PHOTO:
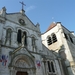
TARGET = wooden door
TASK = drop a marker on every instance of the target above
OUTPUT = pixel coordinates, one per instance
(21, 73)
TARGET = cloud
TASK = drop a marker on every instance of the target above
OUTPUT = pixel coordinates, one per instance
(30, 8)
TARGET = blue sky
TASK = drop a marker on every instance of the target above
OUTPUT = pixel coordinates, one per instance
(45, 11)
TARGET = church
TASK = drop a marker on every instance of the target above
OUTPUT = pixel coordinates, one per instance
(24, 50)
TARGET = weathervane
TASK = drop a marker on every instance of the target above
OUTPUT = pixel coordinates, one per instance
(22, 5)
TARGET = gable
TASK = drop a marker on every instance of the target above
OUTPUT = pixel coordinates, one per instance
(16, 17)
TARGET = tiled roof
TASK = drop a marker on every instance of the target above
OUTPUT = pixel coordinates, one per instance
(52, 25)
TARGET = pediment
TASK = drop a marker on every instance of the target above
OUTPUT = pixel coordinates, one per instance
(22, 58)
(21, 50)
(21, 20)
(25, 51)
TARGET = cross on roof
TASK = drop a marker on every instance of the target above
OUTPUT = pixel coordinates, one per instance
(22, 5)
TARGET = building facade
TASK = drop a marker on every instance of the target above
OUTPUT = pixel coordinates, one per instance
(62, 41)
(21, 48)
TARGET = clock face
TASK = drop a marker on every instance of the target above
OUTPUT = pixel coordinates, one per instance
(21, 21)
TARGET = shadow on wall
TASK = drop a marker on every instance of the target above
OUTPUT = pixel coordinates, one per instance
(65, 63)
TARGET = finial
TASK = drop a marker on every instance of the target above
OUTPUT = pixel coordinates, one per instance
(22, 5)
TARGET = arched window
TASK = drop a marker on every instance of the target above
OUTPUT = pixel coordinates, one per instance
(71, 39)
(49, 41)
(8, 35)
(54, 38)
(33, 41)
(49, 66)
(25, 38)
(66, 36)
(22, 37)
(19, 36)
(33, 44)
(52, 67)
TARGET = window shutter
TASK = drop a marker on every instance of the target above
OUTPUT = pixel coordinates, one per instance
(49, 41)
(54, 38)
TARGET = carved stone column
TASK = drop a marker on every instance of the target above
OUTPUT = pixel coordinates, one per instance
(12, 71)
(31, 72)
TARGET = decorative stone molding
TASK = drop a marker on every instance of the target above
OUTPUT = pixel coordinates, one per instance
(23, 57)
(22, 22)
(22, 63)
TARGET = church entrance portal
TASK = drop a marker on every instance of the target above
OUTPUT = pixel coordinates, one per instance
(22, 64)
(21, 73)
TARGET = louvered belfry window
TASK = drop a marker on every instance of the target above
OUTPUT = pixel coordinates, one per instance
(49, 41)
(54, 38)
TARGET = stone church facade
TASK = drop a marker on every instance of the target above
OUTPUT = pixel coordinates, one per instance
(23, 52)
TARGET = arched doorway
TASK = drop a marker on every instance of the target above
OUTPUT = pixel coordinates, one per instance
(21, 73)
(22, 64)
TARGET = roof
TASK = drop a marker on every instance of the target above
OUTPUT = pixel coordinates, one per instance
(52, 25)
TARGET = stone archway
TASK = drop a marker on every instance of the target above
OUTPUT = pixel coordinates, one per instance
(22, 65)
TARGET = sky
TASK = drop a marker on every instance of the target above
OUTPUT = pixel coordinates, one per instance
(45, 12)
